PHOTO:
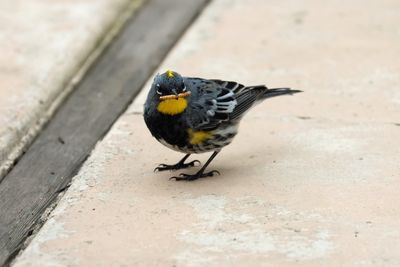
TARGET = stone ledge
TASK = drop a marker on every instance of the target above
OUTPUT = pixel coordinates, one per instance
(48, 46)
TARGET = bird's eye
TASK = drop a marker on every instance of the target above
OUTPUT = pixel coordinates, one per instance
(158, 91)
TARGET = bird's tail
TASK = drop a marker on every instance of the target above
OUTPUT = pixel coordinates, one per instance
(272, 92)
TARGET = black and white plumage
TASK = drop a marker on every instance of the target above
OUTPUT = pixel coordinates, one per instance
(195, 115)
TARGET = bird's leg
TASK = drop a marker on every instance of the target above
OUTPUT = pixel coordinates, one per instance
(180, 165)
(200, 173)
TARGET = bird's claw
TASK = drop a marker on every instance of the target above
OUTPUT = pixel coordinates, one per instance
(192, 177)
(165, 167)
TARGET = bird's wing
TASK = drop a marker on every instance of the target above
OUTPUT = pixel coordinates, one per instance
(246, 99)
(245, 96)
(216, 101)
(210, 104)
(231, 85)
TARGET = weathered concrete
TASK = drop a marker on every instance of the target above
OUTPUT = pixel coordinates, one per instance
(311, 180)
(43, 45)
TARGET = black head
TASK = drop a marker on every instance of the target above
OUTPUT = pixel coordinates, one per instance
(169, 83)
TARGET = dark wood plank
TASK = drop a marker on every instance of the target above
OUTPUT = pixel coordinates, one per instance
(85, 117)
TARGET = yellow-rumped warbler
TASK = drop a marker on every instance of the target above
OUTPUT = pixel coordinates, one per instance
(194, 115)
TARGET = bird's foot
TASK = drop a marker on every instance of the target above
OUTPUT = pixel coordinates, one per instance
(192, 177)
(179, 165)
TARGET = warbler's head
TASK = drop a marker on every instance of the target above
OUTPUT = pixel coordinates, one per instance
(170, 84)
(169, 93)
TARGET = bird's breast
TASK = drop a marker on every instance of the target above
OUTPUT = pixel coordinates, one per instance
(172, 129)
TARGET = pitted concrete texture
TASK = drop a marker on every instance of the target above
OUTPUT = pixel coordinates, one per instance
(43, 44)
(311, 180)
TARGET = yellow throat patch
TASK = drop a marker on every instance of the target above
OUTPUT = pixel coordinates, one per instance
(172, 106)
(198, 137)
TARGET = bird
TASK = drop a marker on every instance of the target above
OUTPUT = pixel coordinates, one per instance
(196, 115)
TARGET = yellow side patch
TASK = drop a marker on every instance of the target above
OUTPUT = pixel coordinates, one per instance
(172, 106)
(198, 137)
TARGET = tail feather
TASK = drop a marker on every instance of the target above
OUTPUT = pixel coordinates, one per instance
(253, 94)
(272, 92)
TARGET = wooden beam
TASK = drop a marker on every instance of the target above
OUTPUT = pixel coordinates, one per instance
(85, 117)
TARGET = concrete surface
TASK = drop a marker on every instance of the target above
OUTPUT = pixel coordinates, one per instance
(311, 180)
(44, 44)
